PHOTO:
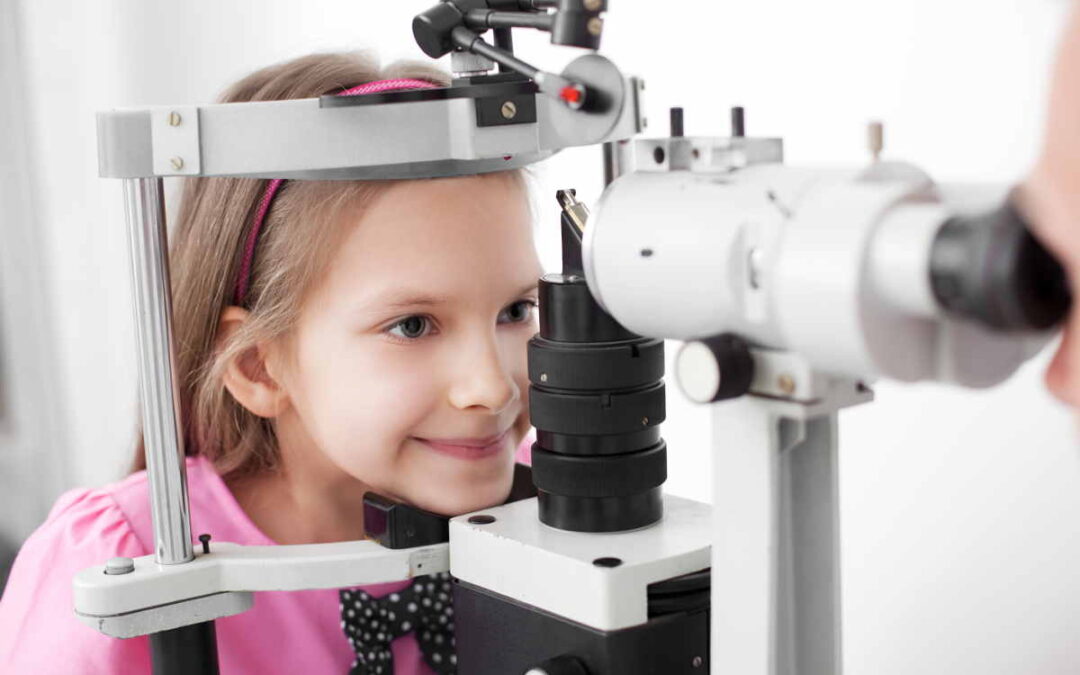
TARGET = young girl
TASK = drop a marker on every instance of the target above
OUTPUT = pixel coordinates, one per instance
(333, 338)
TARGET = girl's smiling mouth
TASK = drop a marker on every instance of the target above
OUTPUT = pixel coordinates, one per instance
(468, 448)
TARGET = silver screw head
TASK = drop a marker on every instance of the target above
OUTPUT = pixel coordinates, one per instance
(644, 421)
(177, 163)
(119, 566)
(509, 110)
(175, 119)
(595, 26)
(698, 662)
(592, 5)
(543, 377)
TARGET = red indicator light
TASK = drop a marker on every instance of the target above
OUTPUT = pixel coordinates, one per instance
(571, 95)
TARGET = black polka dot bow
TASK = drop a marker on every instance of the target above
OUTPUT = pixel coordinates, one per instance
(424, 607)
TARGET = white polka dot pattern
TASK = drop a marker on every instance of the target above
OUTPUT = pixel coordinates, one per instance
(372, 623)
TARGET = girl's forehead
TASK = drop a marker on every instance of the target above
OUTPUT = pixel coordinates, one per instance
(441, 235)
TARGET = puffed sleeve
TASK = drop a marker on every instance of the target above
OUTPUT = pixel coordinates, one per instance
(39, 632)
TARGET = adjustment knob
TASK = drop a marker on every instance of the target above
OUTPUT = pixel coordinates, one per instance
(560, 665)
(714, 369)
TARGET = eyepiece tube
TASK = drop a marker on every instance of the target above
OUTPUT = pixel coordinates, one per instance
(990, 269)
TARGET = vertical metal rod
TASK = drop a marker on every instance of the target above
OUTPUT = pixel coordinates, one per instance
(504, 39)
(611, 170)
(163, 439)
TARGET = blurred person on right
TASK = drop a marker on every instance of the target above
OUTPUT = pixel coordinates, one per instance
(1050, 198)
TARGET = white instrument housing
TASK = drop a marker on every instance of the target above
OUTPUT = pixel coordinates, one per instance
(831, 264)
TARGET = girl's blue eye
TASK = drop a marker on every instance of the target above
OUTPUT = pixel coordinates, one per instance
(411, 327)
(519, 312)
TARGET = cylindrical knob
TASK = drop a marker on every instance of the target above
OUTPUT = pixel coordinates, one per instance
(119, 566)
(714, 369)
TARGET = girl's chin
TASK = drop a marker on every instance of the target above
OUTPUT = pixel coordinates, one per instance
(470, 498)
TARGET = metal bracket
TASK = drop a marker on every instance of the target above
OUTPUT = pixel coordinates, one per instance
(174, 134)
(125, 602)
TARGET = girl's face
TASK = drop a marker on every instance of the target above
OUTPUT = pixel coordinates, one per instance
(408, 369)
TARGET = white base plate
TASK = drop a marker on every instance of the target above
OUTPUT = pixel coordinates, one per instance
(523, 559)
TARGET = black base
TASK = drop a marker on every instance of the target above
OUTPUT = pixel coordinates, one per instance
(498, 636)
(190, 650)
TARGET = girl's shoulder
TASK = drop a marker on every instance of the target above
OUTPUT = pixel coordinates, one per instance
(86, 527)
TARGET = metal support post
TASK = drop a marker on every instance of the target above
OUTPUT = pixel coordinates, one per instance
(776, 606)
(164, 443)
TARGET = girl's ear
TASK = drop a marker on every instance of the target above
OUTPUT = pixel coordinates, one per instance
(247, 375)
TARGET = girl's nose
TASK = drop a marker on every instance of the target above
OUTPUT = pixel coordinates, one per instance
(483, 381)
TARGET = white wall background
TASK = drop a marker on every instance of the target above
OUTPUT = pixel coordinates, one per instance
(961, 510)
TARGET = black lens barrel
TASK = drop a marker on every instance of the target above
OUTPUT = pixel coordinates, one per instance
(596, 400)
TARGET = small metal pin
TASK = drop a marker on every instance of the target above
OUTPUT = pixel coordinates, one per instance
(676, 115)
(644, 421)
(875, 132)
(177, 163)
(509, 110)
(738, 122)
(543, 377)
(205, 539)
(595, 26)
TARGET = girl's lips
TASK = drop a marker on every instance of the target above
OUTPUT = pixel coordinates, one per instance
(467, 448)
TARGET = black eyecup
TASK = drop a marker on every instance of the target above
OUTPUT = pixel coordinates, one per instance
(990, 269)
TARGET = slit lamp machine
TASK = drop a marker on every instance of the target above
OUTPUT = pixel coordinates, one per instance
(793, 288)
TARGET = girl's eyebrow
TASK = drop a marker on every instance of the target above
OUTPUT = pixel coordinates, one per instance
(403, 299)
(408, 299)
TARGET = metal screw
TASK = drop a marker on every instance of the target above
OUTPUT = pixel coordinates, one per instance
(482, 519)
(592, 5)
(509, 110)
(119, 566)
(175, 119)
(543, 377)
(644, 421)
(786, 384)
(698, 662)
(595, 26)
(177, 163)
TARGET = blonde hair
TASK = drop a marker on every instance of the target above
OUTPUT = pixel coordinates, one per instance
(206, 252)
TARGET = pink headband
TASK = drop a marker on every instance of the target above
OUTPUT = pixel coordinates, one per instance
(242, 280)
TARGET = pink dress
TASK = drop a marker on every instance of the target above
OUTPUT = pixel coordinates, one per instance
(298, 632)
